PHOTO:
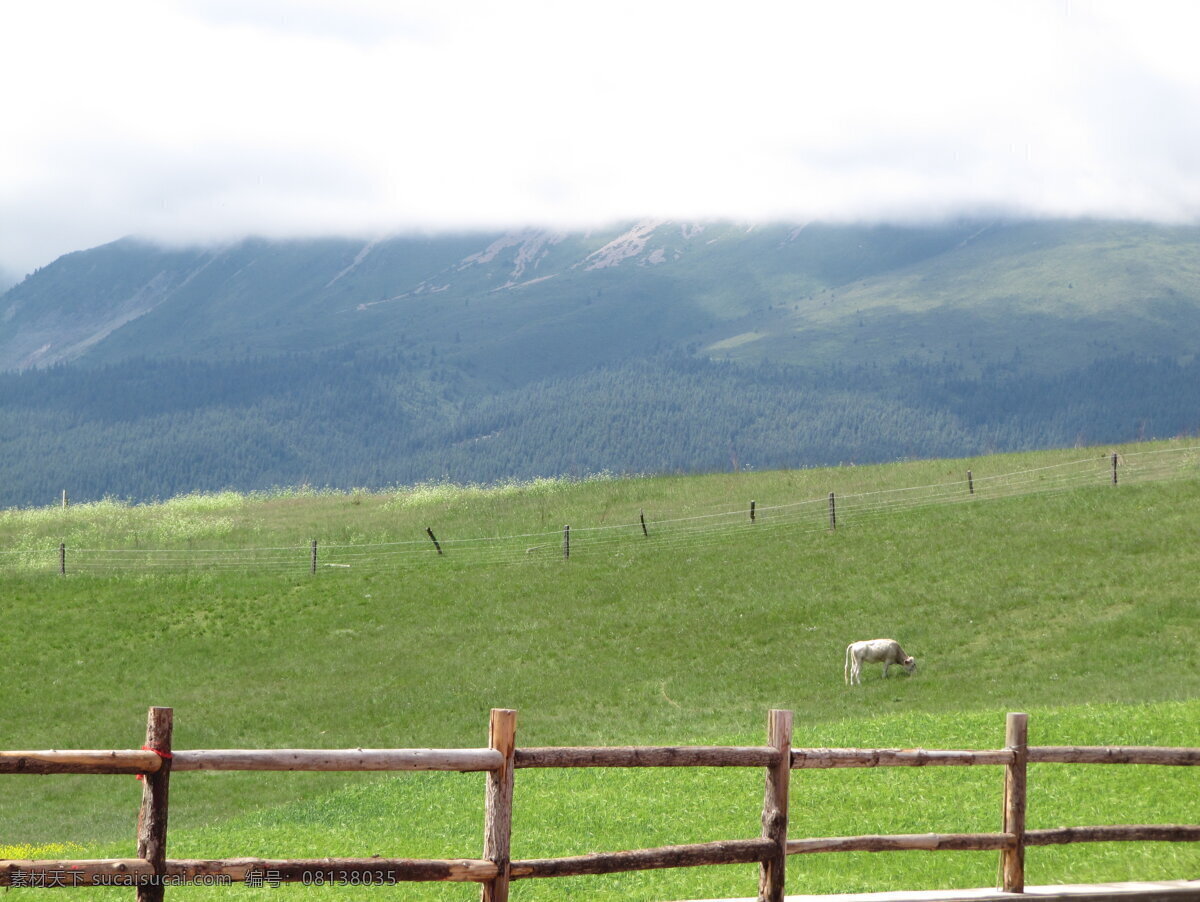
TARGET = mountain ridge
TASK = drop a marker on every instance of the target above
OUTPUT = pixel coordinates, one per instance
(644, 347)
(741, 291)
(105, 290)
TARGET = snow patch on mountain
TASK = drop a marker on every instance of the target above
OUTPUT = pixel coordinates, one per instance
(531, 248)
(362, 255)
(625, 246)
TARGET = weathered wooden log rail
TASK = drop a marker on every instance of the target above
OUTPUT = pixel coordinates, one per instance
(52, 761)
(151, 872)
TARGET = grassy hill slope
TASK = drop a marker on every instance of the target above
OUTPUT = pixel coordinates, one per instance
(1056, 294)
(1049, 590)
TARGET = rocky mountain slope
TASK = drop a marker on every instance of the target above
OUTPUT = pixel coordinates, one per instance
(527, 303)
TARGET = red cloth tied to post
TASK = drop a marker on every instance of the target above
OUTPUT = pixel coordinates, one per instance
(159, 752)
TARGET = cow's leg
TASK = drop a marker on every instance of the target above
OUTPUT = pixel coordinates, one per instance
(885, 667)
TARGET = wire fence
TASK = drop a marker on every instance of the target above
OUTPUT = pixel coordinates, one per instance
(806, 515)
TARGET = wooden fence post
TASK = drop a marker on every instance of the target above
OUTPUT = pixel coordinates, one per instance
(152, 818)
(62, 558)
(832, 512)
(775, 807)
(314, 555)
(970, 483)
(1114, 465)
(433, 538)
(1012, 861)
(642, 517)
(497, 825)
(566, 542)
(751, 511)
(64, 498)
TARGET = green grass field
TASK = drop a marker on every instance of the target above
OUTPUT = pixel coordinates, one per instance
(1048, 591)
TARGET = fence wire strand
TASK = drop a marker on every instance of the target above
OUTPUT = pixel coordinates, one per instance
(799, 517)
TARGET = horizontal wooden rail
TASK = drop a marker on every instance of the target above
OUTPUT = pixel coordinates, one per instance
(1115, 754)
(1060, 836)
(648, 756)
(817, 758)
(145, 762)
(736, 851)
(132, 871)
(339, 870)
(361, 871)
(903, 842)
(989, 842)
(365, 871)
(52, 761)
(89, 872)
(136, 761)
(462, 760)
(1133, 891)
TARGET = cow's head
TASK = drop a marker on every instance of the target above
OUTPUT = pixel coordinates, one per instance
(909, 664)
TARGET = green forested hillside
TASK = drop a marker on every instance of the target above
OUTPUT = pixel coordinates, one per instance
(143, 430)
(142, 371)
(1050, 591)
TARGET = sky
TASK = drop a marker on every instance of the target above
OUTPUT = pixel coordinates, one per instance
(207, 120)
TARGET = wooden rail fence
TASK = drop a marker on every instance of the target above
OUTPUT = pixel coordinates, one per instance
(151, 871)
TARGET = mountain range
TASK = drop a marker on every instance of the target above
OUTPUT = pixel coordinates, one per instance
(141, 370)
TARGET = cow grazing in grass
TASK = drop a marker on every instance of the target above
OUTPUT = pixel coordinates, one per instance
(875, 651)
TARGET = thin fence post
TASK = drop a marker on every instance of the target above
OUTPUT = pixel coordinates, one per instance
(497, 825)
(642, 517)
(152, 818)
(314, 555)
(1012, 861)
(751, 511)
(566, 542)
(433, 538)
(970, 483)
(832, 512)
(62, 558)
(773, 872)
(64, 497)
(1114, 466)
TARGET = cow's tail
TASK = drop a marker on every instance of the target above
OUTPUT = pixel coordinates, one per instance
(846, 671)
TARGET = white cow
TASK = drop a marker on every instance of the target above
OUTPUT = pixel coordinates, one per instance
(873, 651)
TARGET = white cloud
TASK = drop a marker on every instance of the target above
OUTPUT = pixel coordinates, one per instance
(193, 119)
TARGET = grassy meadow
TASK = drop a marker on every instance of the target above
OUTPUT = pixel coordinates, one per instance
(1049, 591)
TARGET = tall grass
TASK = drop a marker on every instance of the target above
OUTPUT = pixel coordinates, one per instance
(504, 523)
(1073, 604)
